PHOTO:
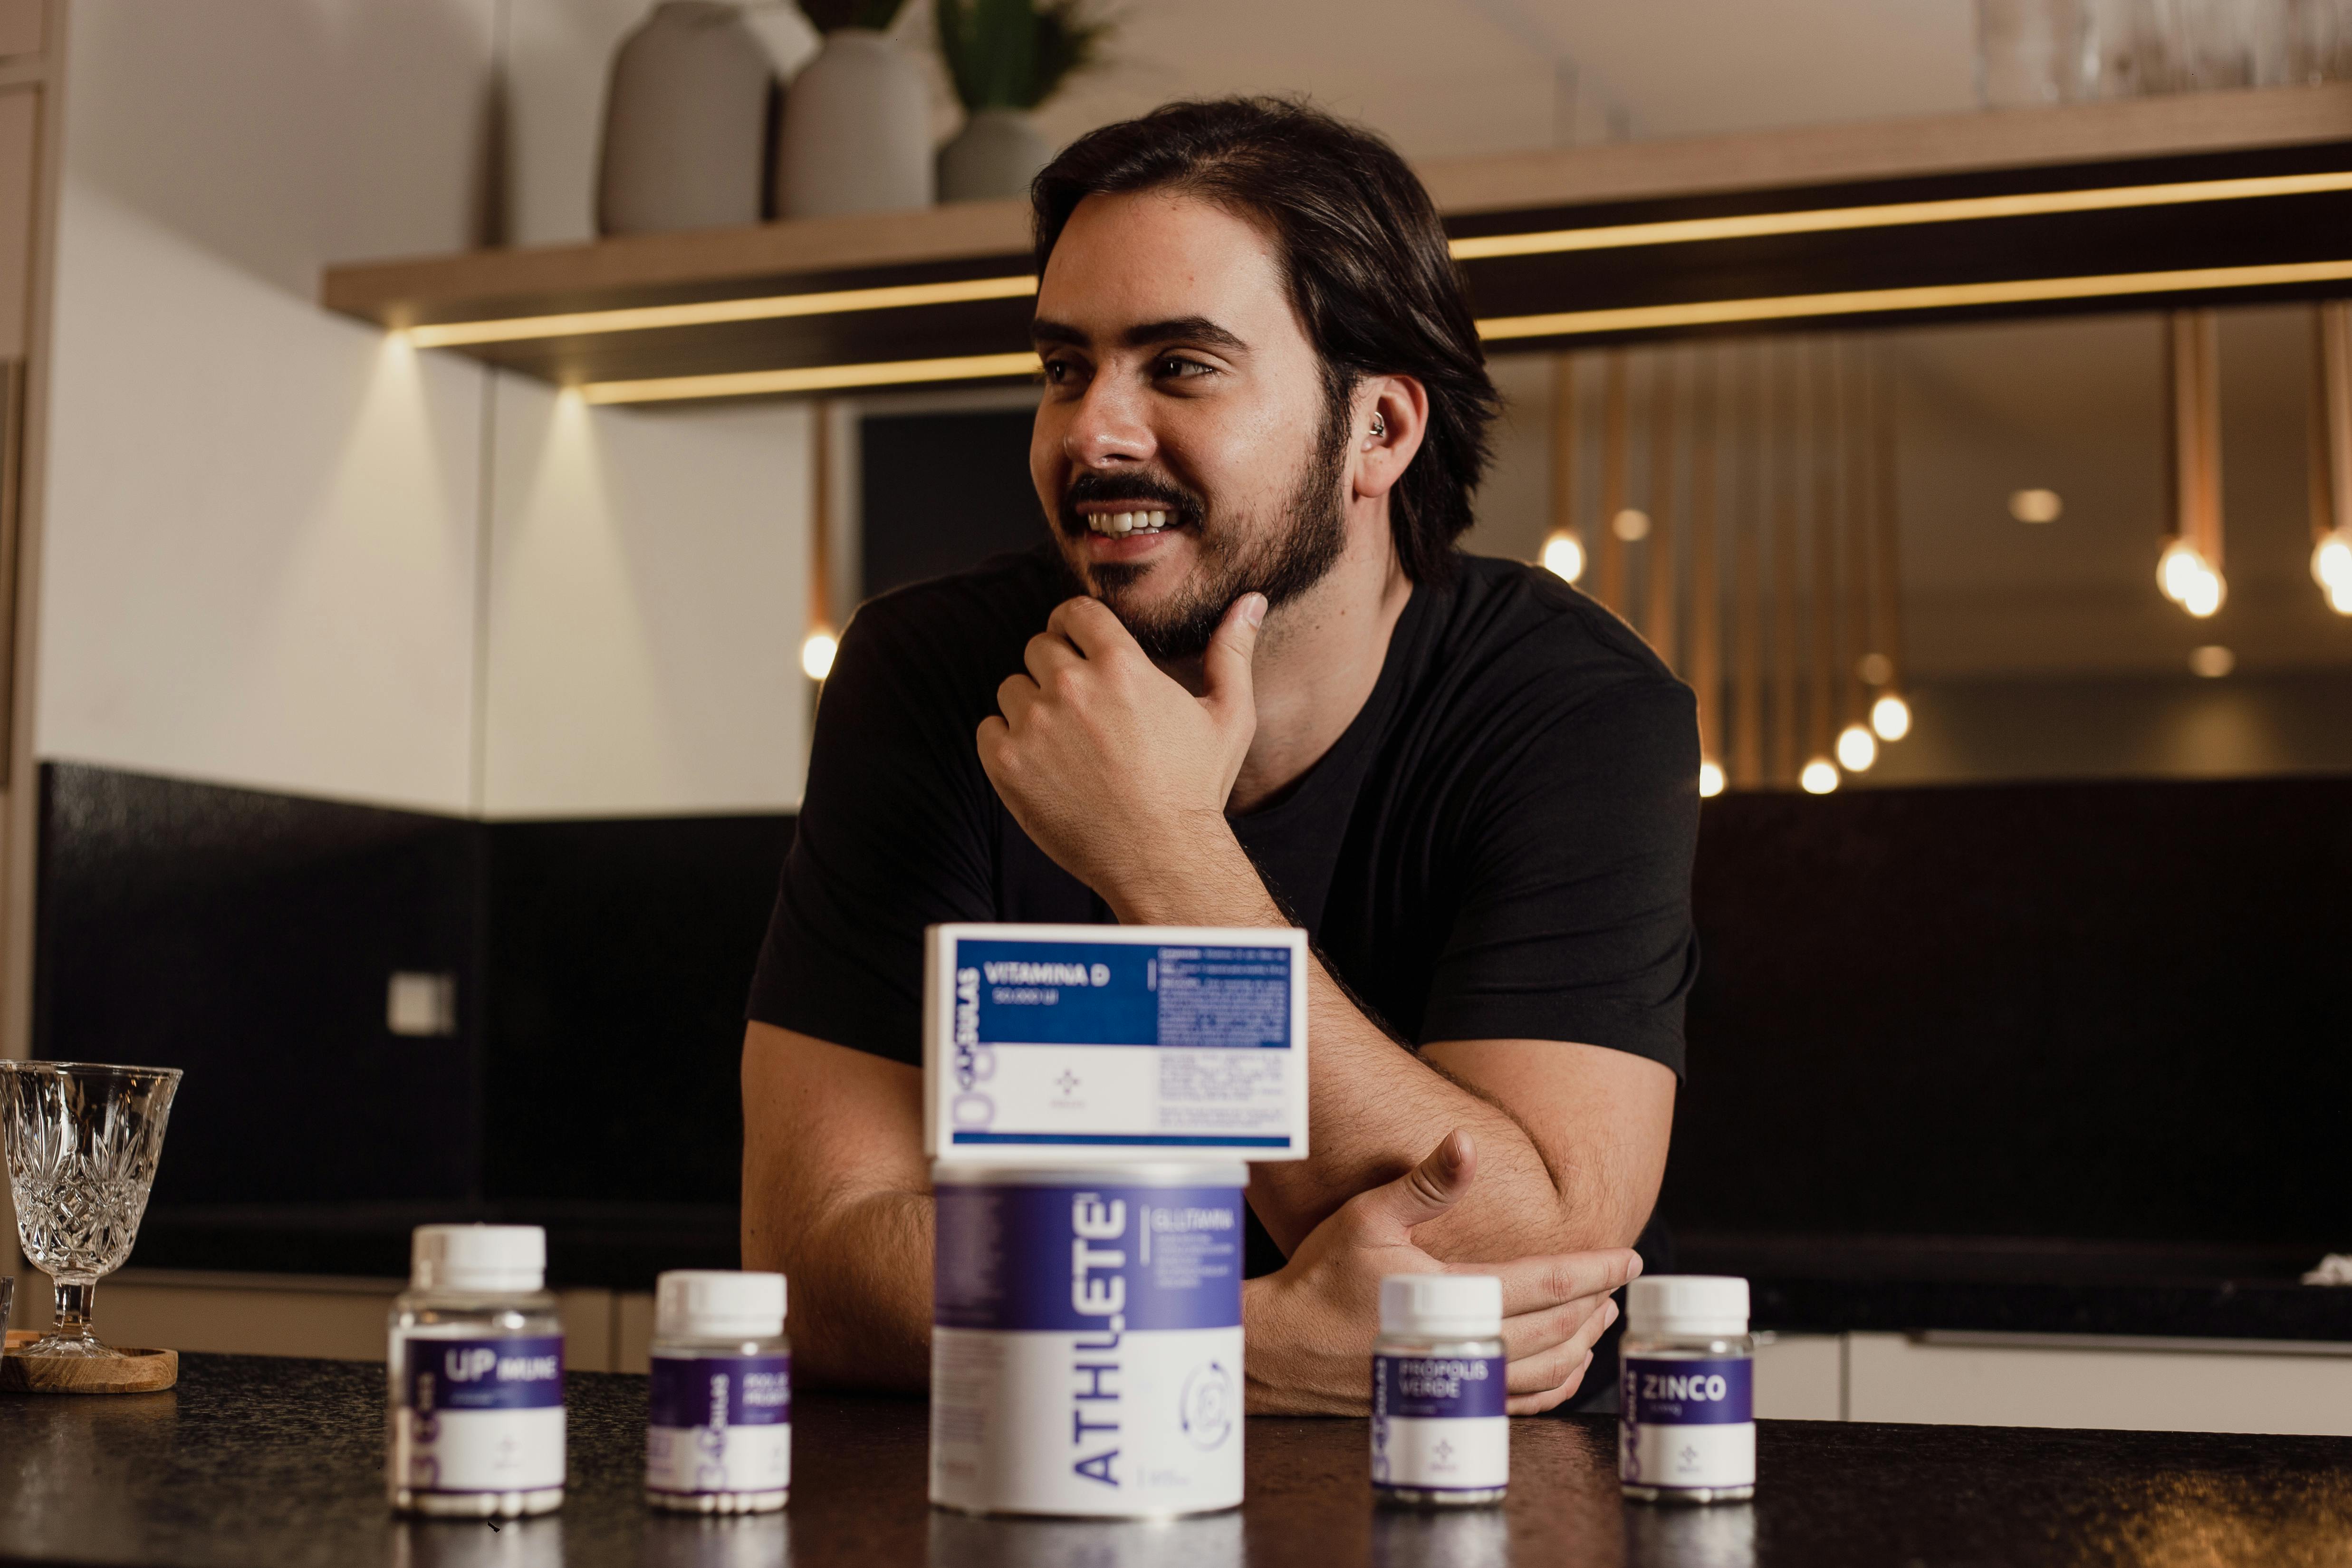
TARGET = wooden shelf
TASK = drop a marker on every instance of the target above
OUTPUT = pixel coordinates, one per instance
(2069, 209)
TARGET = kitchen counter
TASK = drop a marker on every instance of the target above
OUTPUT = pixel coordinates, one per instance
(2024, 1286)
(254, 1459)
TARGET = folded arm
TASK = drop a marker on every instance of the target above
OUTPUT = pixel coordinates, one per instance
(835, 1196)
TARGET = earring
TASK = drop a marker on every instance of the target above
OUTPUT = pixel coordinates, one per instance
(1379, 426)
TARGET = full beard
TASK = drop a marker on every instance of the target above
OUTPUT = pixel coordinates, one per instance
(1293, 559)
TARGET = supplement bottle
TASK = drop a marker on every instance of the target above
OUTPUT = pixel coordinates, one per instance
(1686, 1413)
(1440, 1437)
(477, 1374)
(720, 1439)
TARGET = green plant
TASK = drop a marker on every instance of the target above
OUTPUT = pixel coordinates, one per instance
(832, 15)
(1016, 54)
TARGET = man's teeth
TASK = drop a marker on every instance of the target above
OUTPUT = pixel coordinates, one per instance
(1118, 524)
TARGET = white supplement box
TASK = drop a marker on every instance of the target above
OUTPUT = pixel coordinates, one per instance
(1076, 1044)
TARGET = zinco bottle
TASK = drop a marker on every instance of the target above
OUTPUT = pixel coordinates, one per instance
(721, 1440)
(1440, 1437)
(1686, 1414)
(477, 1376)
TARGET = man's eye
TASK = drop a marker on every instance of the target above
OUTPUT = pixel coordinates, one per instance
(1176, 368)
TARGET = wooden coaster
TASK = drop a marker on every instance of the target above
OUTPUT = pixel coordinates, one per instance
(131, 1372)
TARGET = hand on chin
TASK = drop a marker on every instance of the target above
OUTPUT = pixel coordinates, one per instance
(1108, 763)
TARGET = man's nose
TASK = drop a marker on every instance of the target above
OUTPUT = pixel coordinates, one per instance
(1108, 427)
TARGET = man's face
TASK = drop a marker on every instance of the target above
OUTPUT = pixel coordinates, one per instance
(1185, 449)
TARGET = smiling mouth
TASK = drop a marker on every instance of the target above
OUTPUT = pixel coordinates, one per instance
(1120, 525)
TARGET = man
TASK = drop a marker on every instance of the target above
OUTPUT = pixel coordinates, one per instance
(1250, 682)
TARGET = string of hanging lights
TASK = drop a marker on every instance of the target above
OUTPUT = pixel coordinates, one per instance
(1764, 531)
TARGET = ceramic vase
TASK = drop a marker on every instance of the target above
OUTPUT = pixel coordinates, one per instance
(687, 122)
(857, 135)
(997, 154)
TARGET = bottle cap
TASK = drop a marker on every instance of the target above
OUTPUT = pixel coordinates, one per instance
(477, 1257)
(1687, 1304)
(1442, 1306)
(719, 1303)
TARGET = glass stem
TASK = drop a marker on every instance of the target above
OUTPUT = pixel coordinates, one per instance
(74, 1299)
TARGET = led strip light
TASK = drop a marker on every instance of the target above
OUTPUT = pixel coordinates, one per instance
(1503, 329)
(709, 312)
(1681, 231)
(1933, 297)
(1892, 215)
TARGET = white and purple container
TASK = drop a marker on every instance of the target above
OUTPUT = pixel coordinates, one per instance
(1686, 1406)
(1441, 1435)
(719, 1437)
(475, 1368)
(1087, 1340)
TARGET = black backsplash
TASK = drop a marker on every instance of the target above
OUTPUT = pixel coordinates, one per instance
(2113, 1010)
(620, 956)
(2108, 1010)
(247, 937)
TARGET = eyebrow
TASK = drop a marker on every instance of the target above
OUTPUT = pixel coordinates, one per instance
(1188, 328)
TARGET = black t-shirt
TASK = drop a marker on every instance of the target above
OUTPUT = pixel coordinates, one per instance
(1497, 848)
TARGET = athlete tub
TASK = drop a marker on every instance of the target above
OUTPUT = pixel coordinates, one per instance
(1087, 1340)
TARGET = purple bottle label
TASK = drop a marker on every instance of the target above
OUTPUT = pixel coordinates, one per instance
(1454, 1386)
(483, 1375)
(1710, 1392)
(1078, 1260)
(721, 1391)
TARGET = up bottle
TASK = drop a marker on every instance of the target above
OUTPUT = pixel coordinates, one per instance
(1686, 1406)
(477, 1376)
(720, 1439)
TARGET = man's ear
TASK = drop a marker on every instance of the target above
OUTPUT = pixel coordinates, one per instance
(1388, 418)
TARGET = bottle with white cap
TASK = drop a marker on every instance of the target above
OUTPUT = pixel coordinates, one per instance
(477, 1376)
(721, 1440)
(1687, 1410)
(1440, 1437)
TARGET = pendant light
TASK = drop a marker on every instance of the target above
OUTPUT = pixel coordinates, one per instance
(1890, 711)
(1788, 646)
(2331, 454)
(1658, 620)
(1821, 770)
(1857, 748)
(2189, 569)
(1615, 436)
(822, 642)
(1706, 589)
(1563, 547)
(1753, 435)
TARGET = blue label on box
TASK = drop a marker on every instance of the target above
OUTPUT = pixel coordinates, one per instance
(484, 1375)
(1715, 1391)
(720, 1390)
(1120, 994)
(1460, 1387)
(1087, 1259)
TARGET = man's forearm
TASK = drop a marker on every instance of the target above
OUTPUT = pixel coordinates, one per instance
(861, 1291)
(1375, 1108)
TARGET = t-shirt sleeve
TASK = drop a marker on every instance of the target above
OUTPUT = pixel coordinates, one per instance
(893, 837)
(1574, 921)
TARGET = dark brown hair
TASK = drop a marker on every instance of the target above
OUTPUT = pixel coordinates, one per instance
(1369, 270)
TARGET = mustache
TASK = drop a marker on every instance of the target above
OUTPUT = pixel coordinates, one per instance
(1144, 491)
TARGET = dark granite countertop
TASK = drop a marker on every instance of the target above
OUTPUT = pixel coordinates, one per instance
(262, 1460)
(2025, 1286)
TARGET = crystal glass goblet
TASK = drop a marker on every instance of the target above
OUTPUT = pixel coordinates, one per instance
(81, 1141)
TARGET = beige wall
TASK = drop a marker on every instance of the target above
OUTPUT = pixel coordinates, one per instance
(286, 552)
